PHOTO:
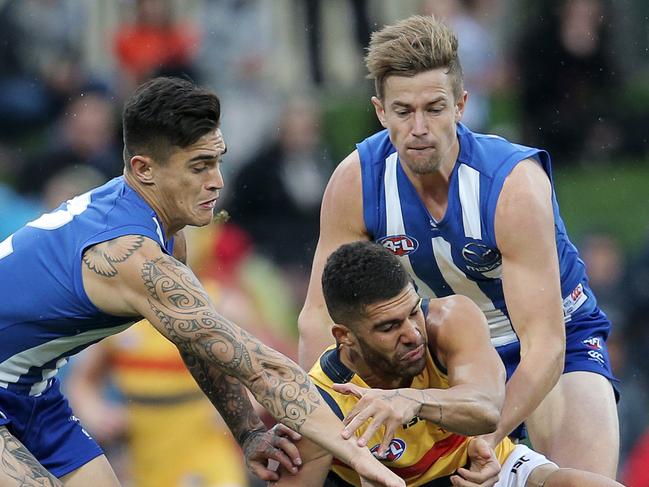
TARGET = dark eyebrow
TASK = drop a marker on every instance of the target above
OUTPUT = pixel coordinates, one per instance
(387, 322)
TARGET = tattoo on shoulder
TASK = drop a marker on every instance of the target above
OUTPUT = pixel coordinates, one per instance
(101, 257)
(190, 321)
(17, 463)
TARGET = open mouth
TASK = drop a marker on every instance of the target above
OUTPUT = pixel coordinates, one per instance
(208, 205)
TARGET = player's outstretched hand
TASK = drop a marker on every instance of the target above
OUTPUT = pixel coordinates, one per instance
(484, 468)
(277, 444)
(389, 408)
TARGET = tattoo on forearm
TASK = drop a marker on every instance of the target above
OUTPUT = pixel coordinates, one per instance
(101, 257)
(228, 396)
(190, 321)
(18, 464)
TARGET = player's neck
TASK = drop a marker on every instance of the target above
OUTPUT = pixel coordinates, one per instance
(354, 362)
(148, 194)
(432, 187)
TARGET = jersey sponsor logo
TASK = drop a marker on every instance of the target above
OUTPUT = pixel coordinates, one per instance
(593, 343)
(480, 258)
(523, 459)
(574, 300)
(596, 356)
(396, 449)
(399, 245)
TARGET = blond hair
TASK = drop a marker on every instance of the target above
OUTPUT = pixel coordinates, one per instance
(412, 46)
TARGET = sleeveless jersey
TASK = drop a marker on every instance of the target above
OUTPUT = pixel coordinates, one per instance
(421, 452)
(458, 255)
(46, 315)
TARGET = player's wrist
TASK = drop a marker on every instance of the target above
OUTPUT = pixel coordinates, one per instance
(244, 438)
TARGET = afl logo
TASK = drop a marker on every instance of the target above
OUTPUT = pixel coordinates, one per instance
(399, 244)
(480, 258)
(395, 450)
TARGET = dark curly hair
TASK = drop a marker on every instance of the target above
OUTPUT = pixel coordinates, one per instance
(359, 274)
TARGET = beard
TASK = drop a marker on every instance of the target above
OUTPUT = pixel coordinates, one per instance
(391, 368)
(421, 166)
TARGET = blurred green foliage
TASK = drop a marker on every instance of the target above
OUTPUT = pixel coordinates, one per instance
(613, 198)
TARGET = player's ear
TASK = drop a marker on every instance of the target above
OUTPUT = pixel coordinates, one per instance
(380, 110)
(142, 169)
(460, 104)
(342, 334)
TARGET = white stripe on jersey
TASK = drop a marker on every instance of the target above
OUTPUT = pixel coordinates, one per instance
(18, 365)
(394, 218)
(158, 230)
(499, 325)
(469, 186)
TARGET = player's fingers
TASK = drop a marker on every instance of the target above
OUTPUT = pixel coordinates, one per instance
(290, 451)
(458, 481)
(387, 439)
(283, 430)
(488, 474)
(262, 472)
(348, 388)
(357, 422)
(374, 425)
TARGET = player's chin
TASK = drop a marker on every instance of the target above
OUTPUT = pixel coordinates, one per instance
(202, 218)
(412, 369)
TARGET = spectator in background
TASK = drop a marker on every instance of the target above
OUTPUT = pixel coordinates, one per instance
(238, 58)
(40, 42)
(568, 80)
(155, 43)
(156, 389)
(314, 29)
(84, 135)
(284, 184)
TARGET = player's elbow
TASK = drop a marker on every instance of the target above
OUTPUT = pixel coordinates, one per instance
(486, 417)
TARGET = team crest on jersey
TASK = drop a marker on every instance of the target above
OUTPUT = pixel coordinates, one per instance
(399, 245)
(395, 450)
(480, 258)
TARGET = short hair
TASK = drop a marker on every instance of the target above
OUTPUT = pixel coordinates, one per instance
(360, 274)
(412, 46)
(166, 112)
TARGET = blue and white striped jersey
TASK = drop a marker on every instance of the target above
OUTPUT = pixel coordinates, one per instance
(459, 255)
(45, 315)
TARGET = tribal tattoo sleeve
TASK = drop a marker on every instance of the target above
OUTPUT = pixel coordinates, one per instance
(19, 465)
(227, 394)
(190, 321)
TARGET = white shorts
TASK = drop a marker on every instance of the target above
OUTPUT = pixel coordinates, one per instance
(519, 465)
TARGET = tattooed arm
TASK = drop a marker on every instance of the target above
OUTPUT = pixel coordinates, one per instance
(146, 282)
(19, 467)
(231, 399)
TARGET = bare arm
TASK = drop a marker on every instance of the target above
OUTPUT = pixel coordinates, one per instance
(341, 221)
(131, 276)
(459, 337)
(317, 463)
(525, 235)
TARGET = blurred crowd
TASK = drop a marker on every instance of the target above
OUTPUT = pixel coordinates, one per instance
(571, 76)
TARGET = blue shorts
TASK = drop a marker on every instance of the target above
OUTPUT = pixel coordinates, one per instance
(48, 429)
(586, 351)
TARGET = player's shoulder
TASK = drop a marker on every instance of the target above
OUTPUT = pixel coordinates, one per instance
(345, 182)
(451, 312)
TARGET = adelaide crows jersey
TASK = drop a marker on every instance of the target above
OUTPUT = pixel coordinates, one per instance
(459, 255)
(421, 452)
(45, 315)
